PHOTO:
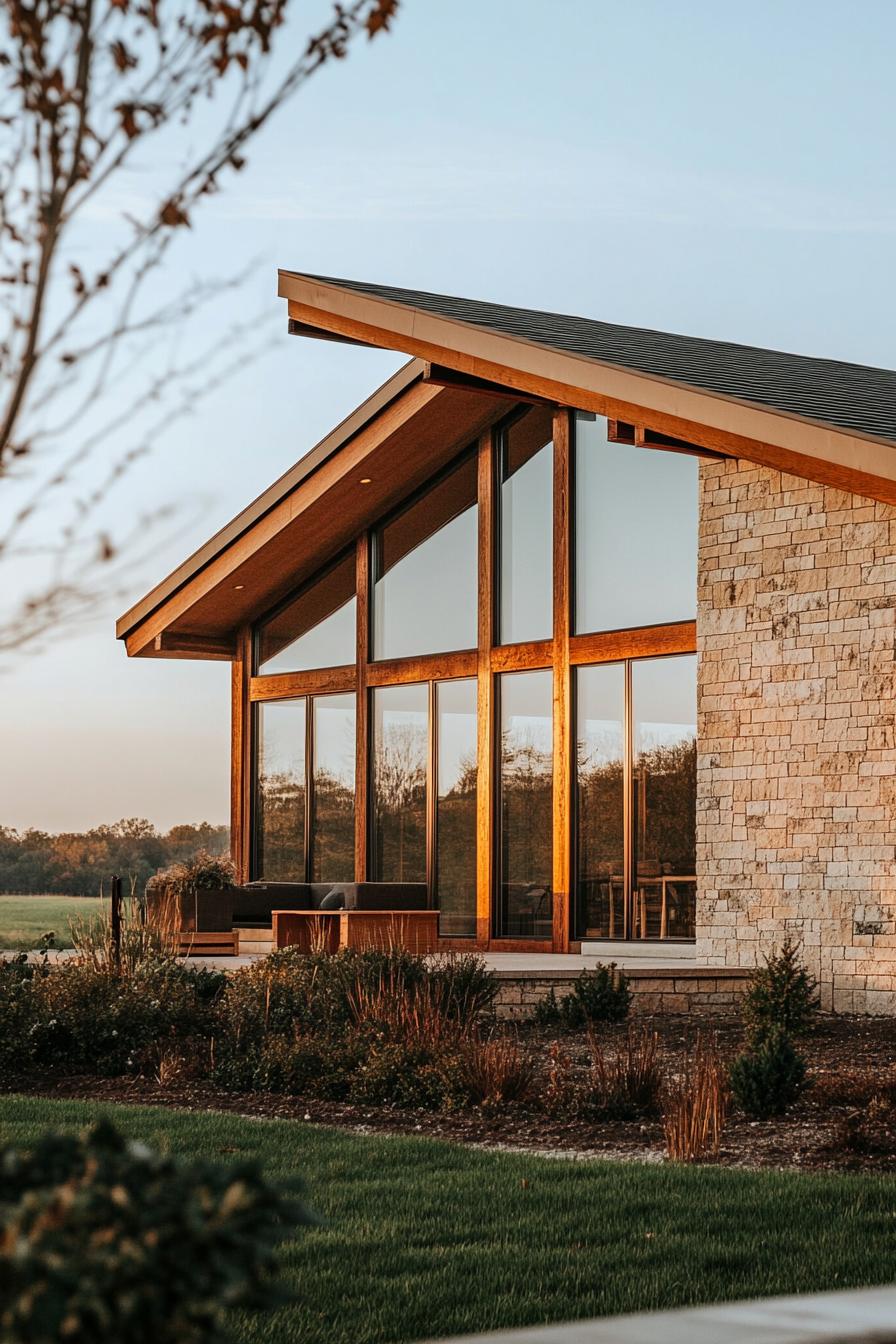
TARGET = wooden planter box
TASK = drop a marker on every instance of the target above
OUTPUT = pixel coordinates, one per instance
(208, 910)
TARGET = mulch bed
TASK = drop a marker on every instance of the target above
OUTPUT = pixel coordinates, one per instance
(852, 1060)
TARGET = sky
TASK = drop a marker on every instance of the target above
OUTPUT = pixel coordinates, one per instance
(718, 170)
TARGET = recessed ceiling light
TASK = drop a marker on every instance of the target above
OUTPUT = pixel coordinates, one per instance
(365, 480)
(238, 586)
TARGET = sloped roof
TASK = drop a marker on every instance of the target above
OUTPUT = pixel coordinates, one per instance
(857, 397)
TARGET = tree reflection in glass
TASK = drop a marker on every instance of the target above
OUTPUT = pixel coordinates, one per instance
(280, 792)
(456, 808)
(400, 753)
(664, 801)
(600, 800)
(333, 793)
(525, 909)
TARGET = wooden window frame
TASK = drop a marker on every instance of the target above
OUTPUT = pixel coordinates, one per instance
(308, 809)
(561, 653)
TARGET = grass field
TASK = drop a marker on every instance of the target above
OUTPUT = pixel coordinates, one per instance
(24, 919)
(425, 1239)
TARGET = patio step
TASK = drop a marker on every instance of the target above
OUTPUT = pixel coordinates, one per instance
(637, 948)
(257, 941)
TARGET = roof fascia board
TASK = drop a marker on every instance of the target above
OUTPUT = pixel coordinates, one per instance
(142, 635)
(312, 461)
(768, 436)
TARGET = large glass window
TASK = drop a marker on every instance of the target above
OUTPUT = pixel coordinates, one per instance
(526, 528)
(635, 523)
(456, 808)
(400, 767)
(305, 790)
(315, 628)
(425, 577)
(333, 812)
(600, 801)
(664, 697)
(646, 888)
(525, 808)
(280, 792)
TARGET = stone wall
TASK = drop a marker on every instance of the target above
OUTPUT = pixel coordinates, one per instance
(796, 792)
(695, 992)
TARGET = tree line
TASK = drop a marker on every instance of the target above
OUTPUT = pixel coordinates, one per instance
(80, 863)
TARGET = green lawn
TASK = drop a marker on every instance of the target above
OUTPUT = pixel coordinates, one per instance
(425, 1239)
(24, 919)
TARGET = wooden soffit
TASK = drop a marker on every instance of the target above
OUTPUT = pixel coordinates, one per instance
(395, 441)
(496, 361)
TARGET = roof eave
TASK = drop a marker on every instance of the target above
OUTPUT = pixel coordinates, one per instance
(862, 463)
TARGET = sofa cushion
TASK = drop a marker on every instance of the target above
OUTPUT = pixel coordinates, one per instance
(257, 900)
(334, 900)
(386, 896)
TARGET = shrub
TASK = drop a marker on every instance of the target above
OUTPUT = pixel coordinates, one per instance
(769, 1076)
(399, 1073)
(465, 986)
(306, 1066)
(494, 1072)
(102, 1240)
(601, 995)
(627, 1083)
(415, 1015)
(871, 1130)
(97, 1020)
(781, 995)
(290, 989)
(695, 1105)
(17, 1012)
(548, 1011)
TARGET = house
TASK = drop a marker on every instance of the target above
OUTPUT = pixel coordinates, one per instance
(588, 628)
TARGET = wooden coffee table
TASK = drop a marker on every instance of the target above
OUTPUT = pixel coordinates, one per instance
(329, 930)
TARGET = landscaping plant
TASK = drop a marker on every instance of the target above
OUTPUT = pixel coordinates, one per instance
(103, 1241)
(626, 1083)
(601, 995)
(782, 995)
(769, 1076)
(695, 1104)
(495, 1072)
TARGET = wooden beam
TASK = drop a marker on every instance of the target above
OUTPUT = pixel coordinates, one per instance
(522, 657)
(562, 710)
(485, 749)
(362, 731)
(445, 377)
(426, 667)
(317, 681)
(185, 645)
(646, 642)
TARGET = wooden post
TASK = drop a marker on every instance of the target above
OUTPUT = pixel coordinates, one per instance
(241, 758)
(562, 715)
(485, 753)
(362, 735)
(116, 922)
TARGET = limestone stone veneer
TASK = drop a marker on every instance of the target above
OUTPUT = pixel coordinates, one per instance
(796, 790)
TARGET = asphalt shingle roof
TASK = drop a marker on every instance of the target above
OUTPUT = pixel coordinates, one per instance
(849, 396)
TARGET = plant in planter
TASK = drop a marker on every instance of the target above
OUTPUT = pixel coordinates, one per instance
(193, 896)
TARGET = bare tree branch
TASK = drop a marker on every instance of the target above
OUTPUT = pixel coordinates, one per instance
(89, 90)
